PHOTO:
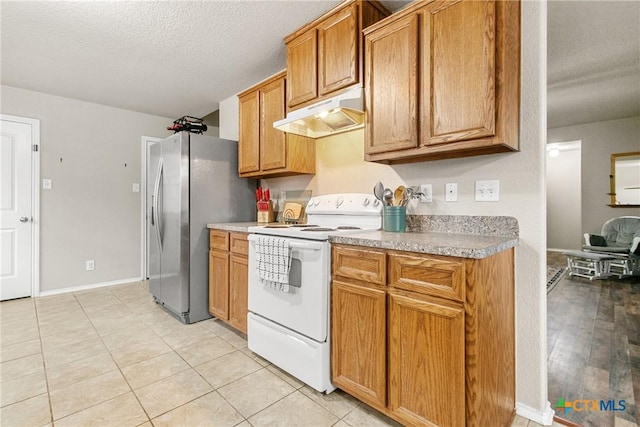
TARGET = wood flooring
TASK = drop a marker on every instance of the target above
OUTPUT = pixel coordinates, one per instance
(593, 333)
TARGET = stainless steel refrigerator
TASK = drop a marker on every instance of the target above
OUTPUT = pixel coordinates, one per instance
(192, 180)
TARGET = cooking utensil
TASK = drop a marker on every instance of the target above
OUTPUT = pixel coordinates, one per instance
(378, 191)
(399, 195)
(388, 196)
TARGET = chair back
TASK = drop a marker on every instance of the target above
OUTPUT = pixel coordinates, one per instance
(621, 231)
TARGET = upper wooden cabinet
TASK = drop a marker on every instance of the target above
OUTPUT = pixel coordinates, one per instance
(302, 68)
(325, 56)
(264, 151)
(442, 80)
(391, 92)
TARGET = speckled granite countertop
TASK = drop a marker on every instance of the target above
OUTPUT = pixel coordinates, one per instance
(233, 226)
(458, 245)
(451, 235)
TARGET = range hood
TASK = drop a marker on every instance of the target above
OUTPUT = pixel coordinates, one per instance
(340, 113)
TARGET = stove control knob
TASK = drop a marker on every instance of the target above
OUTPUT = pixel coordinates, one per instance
(376, 202)
(339, 202)
(365, 202)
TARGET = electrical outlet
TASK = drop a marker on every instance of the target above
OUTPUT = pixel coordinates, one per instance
(488, 191)
(90, 265)
(136, 188)
(451, 192)
(427, 193)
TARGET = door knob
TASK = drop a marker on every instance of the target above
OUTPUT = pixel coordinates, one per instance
(24, 219)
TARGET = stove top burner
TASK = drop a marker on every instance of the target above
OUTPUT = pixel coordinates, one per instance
(318, 229)
(305, 225)
(348, 227)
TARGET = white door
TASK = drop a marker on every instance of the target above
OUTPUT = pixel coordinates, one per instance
(17, 207)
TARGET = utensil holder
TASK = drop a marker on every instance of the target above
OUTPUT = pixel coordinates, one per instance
(394, 218)
(265, 211)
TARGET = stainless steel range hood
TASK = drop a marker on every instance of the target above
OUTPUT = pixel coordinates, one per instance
(340, 113)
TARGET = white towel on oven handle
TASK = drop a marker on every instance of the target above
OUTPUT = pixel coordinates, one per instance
(273, 255)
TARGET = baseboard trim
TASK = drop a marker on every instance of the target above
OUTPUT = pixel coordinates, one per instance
(564, 422)
(544, 417)
(88, 287)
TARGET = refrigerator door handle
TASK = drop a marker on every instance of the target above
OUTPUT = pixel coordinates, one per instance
(154, 207)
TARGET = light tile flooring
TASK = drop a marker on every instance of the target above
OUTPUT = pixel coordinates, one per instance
(112, 357)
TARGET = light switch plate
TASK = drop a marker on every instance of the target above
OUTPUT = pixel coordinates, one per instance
(46, 184)
(488, 191)
(136, 188)
(427, 193)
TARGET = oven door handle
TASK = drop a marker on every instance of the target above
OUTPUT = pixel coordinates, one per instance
(312, 246)
(309, 246)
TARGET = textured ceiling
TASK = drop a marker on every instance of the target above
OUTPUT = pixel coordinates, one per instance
(593, 67)
(172, 58)
(169, 58)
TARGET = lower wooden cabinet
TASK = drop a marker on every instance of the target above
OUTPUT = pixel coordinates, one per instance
(426, 360)
(219, 284)
(359, 331)
(238, 287)
(228, 277)
(413, 348)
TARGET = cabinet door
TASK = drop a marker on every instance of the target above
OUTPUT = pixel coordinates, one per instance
(249, 138)
(436, 276)
(238, 297)
(272, 141)
(338, 51)
(391, 86)
(302, 82)
(458, 71)
(426, 360)
(358, 343)
(219, 284)
(238, 243)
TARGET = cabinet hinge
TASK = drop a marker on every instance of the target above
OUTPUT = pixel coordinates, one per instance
(35, 147)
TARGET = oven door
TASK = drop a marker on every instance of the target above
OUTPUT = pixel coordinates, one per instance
(305, 308)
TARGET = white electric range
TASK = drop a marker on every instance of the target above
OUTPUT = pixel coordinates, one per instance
(291, 328)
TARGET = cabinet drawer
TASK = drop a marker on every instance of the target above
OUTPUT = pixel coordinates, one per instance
(239, 243)
(427, 275)
(219, 239)
(359, 264)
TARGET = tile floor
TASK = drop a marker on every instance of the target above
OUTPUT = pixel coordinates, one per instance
(111, 357)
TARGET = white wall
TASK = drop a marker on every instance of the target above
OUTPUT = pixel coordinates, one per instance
(229, 118)
(340, 168)
(564, 198)
(599, 141)
(91, 211)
